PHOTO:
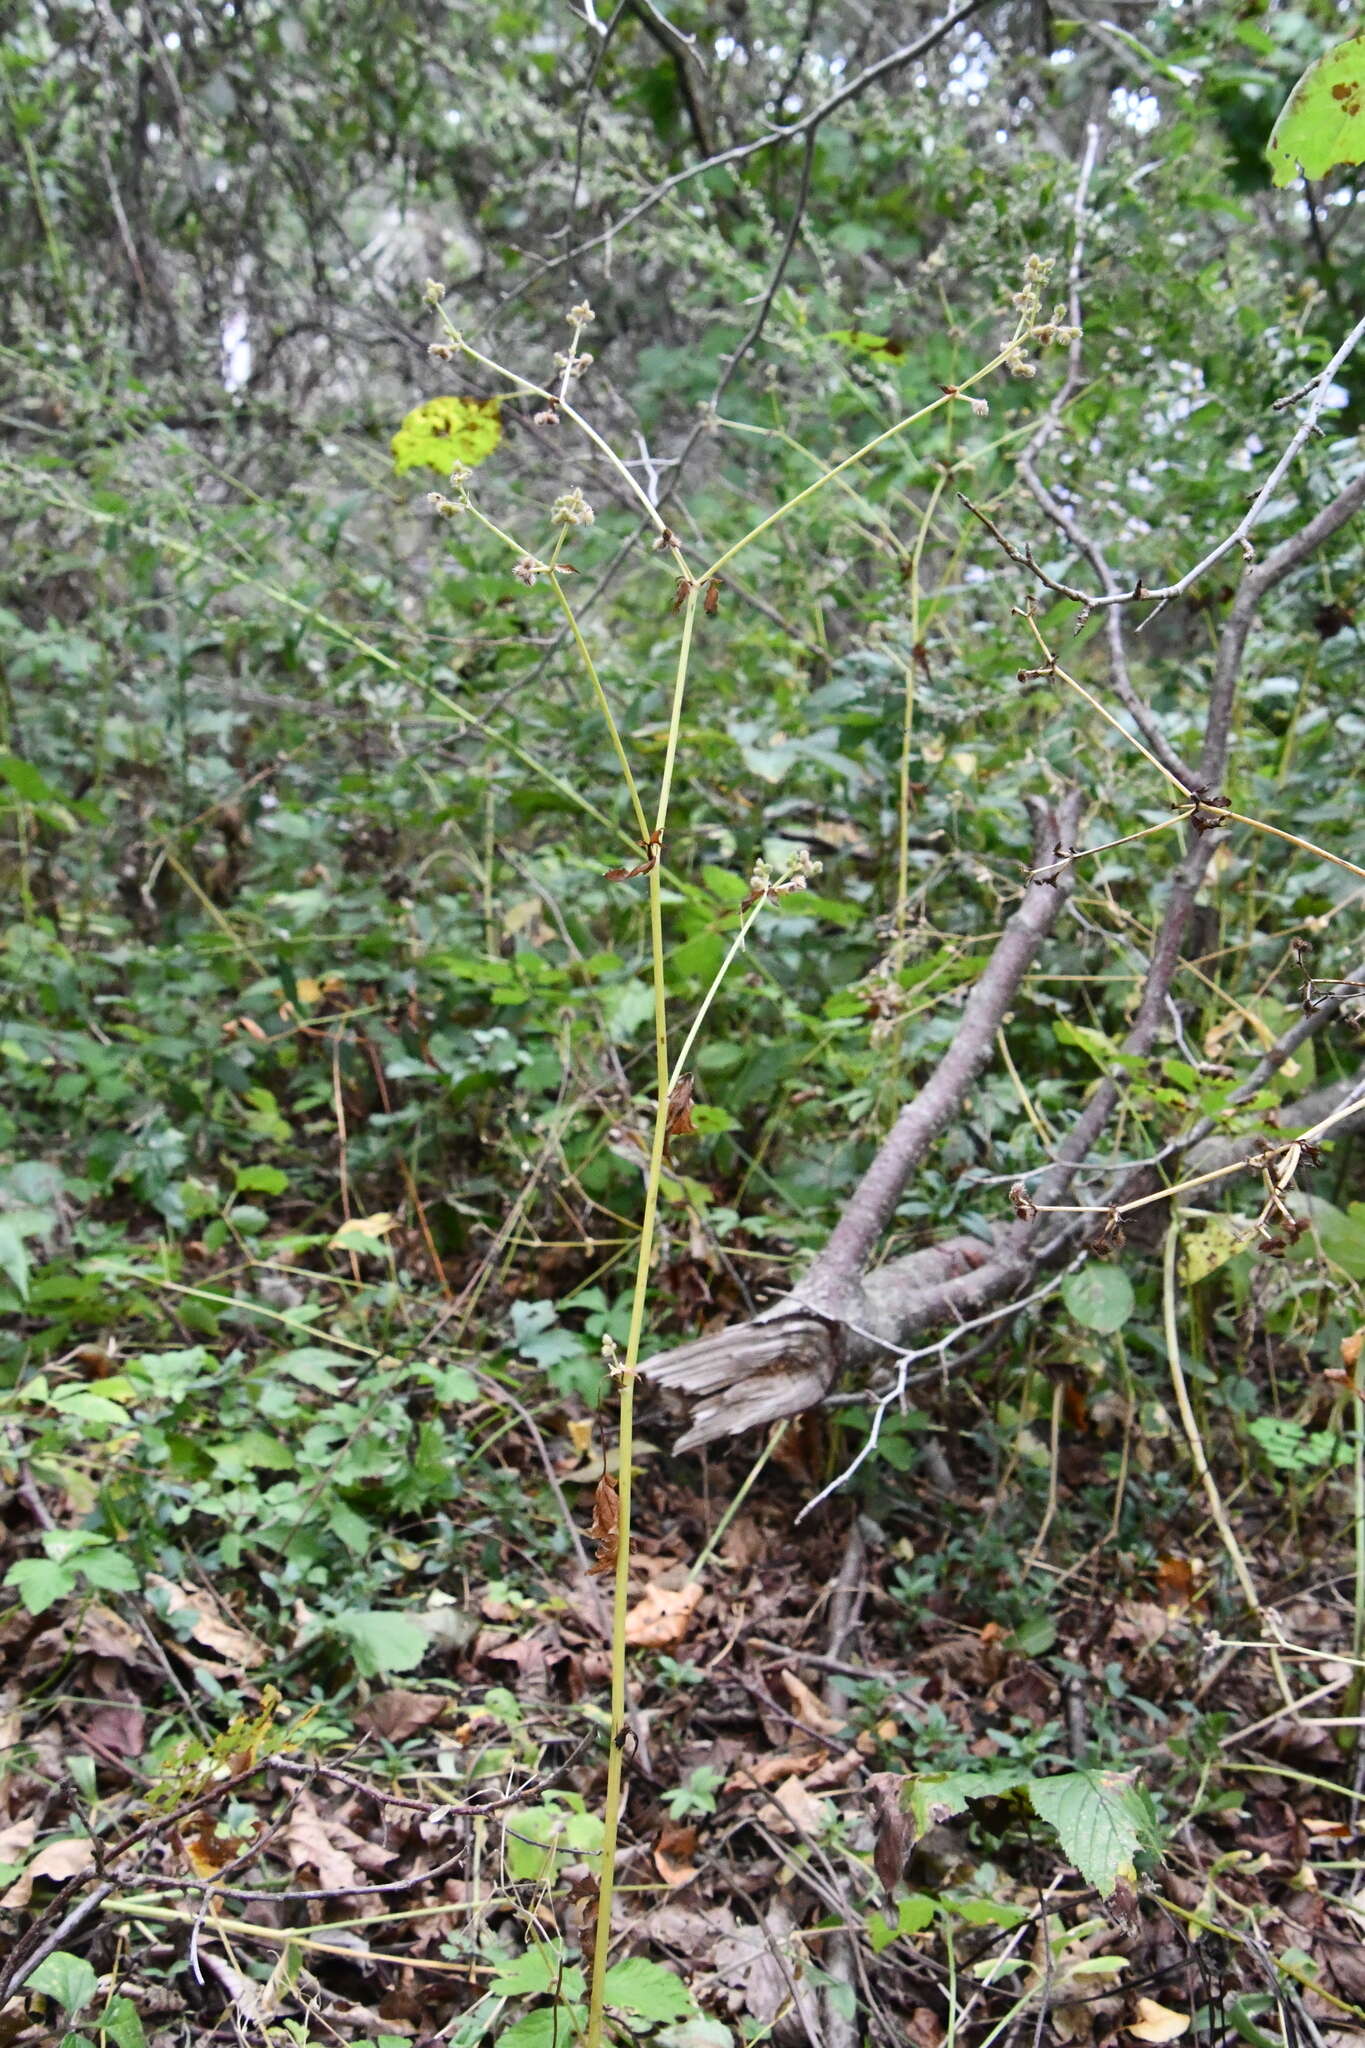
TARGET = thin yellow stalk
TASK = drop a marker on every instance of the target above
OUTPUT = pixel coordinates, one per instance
(850, 461)
(1194, 1439)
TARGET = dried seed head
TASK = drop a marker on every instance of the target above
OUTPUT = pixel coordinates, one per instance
(442, 351)
(580, 315)
(980, 408)
(432, 292)
(446, 508)
(528, 568)
(571, 509)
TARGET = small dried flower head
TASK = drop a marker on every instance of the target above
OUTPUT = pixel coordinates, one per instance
(446, 508)
(547, 417)
(460, 474)
(433, 292)
(980, 408)
(581, 314)
(1037, 269)
(1019, 365)
(527, 568)
(572, 365)
(442, 351)
(571, 509)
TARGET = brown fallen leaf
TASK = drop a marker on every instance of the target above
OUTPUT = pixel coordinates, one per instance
(337, 1853)
(673, 1853)
(606, 1528)
(55, 1861)
(793, 1806)
(209, 1628)
(397, 1714)
(1157, 2023)
(115, 1731)
(771, 1769)
(895, 1828)
(809, 1710)
(662, 1617)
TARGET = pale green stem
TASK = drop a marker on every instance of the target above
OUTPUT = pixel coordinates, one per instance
(1194, 1439)
(850, 461)
(604, 707)
(705, 1554)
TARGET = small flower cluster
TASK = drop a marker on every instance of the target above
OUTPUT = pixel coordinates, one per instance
(1028, 302)
(581, 315)
(528, 567)
(797, 875)
(572, 364)
(571, 509)
(884, 1001)
(451, 508)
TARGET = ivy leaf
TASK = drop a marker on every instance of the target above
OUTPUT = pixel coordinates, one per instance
(1099, 1819)
(445, 431)
(1322, 123)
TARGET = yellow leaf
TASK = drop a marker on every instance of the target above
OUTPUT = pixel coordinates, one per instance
(1157, 2023)
(362, 1232)
(445, 431)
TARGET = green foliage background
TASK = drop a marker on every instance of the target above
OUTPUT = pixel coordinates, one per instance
(304, 816)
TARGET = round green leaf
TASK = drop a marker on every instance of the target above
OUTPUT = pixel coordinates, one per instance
(1322, 123)
(1099, 1297)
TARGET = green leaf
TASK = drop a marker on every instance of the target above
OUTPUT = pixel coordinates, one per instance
(884, 347)
(381, 1640)
(122, 2022)
(531, 1974)
(1102, 1050)
(445, 431)
(26, 782)
(312, 1364)
(67, 1978)
(13, 1258)
(701, 2031)
(1099, 1297)
(646, 1988)
(934, 1796)
(914, 1914)
(261, 1180)
(1322, 123)
(1099, 1820)
(40, 1583)
(109, 1569)
(543, 2028)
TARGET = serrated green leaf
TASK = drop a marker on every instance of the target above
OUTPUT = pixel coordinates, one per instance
(40, 1583)
(646, 1988)
(1098, 1818)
